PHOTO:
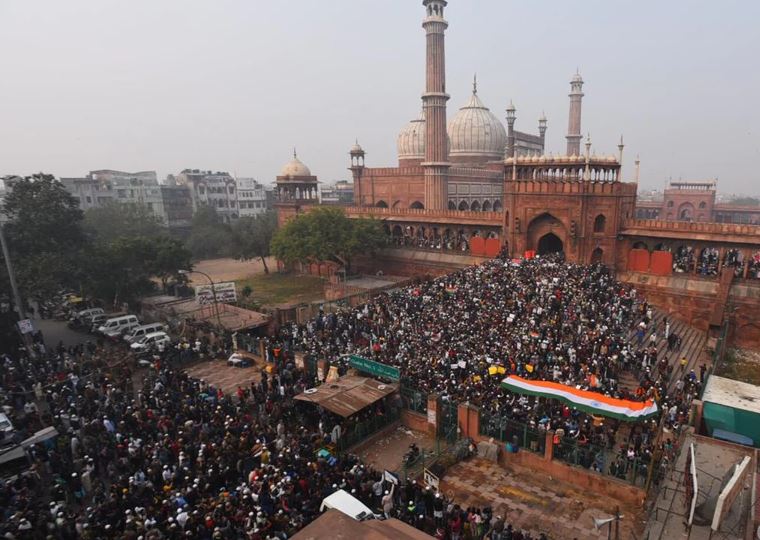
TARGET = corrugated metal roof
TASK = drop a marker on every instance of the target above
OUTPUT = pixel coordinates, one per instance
(338, 526)
(347, 395)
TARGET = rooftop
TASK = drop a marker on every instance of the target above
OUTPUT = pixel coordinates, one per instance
(347, 395)
(731, 393)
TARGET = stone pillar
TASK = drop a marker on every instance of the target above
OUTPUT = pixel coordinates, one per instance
(468, 418)
(549, 446)
(434, 414)
(436, 163)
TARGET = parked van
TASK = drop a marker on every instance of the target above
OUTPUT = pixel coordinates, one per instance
(150, 342)
(86, 314)
(115, 326)
(143, 330)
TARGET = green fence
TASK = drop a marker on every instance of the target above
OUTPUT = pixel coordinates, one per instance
(356, 433)
(602, 460)
(414, 400)
(510, 431)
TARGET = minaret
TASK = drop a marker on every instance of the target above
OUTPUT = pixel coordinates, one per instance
(542, 132)
(357, 169)
(511, 117)
(436, 163)
(574, 125)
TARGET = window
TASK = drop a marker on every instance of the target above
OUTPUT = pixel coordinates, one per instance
(89, 199)
(703, 204)
(600, 223)
(670, 204)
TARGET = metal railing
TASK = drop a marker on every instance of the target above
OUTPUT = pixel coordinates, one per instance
(602, 460)
(360, 431)
(413, 399)
(517, 434)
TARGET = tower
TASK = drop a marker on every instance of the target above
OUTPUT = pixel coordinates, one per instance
(436, 162)
(511, 117)
(542, 132)
(574, 124)
(357, 168)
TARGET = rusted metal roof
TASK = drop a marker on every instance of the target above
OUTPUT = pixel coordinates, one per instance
(347, 395)
(338, 526)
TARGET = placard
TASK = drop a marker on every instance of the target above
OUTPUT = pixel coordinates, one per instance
(225, 292)
(430, 479)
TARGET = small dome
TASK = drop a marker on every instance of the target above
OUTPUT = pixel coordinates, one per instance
(410, 143)
(612, 159)
(356, 148)
(476, 132)
(510, 160)
(543, 159)
(295, 167)
(577, 78)
(534, 159)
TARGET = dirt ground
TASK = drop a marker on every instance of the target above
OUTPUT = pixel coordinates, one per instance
(741, 365)
(535, 502)
(229, 269)
(387, 452)
(218, 374)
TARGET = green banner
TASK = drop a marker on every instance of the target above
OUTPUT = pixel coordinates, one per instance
(374, 368)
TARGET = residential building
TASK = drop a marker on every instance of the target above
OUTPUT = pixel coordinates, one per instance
(251, 197)
(216, 189)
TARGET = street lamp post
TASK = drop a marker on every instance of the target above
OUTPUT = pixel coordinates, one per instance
(213, 292)
(14, 288)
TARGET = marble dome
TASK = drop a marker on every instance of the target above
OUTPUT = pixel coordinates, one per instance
(476, 132)
(410, 143)
(295, 168)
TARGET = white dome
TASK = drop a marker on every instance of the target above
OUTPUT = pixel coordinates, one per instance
(294, 167)
(475, 131)
(410, 143)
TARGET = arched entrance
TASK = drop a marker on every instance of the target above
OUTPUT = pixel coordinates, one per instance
(596, 256)
(546, 234)
(550, 243)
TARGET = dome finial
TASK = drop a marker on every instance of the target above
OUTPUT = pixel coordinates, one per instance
(475, 83)
(295, 156)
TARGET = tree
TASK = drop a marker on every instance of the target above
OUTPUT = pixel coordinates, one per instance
(327, 234)
(209, 237)
(169, 256)
(252, 237)
(114, 220)
(44, 233)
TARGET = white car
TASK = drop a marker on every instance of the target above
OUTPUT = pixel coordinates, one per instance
(150, 342)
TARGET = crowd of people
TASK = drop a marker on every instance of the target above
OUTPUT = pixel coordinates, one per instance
(158, 454)
(542, 318)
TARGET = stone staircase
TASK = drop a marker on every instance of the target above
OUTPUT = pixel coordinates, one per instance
(693, 343)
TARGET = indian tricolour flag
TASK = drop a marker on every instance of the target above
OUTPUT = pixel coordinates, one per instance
(591, 402)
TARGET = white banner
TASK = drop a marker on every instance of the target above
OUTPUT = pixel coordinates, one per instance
(430, 479)
(225, 292)
(388, 476)
(25, 326)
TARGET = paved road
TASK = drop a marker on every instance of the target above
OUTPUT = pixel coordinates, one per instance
(56, 331)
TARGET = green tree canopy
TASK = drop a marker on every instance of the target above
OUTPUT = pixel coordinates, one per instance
(44, 233)
(252, 237)
(209, 236)
(326, 234)
(115, 220)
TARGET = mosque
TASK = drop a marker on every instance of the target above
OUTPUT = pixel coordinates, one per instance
(473, 178)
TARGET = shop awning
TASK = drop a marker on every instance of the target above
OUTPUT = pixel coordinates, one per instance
(347, 395)
(585, 400)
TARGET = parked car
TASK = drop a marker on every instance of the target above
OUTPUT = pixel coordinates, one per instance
(90, 313)
(97, 321)
(150, 342)
(143, 330)
(115, 326)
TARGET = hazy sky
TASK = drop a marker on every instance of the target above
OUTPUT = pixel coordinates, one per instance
(235, 84)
